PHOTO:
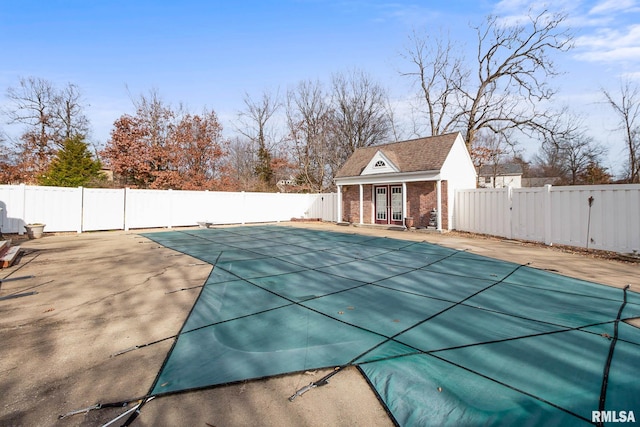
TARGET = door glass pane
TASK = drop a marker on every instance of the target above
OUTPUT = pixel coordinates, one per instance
(396, 203)
(381, 203)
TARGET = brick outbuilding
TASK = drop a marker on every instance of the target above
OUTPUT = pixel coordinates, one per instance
(405, 183)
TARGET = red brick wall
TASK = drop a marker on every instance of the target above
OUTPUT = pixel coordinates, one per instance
(421, 198)
(351, 206)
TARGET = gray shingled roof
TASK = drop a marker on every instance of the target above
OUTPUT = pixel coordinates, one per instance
(503, 169)
(422, 154)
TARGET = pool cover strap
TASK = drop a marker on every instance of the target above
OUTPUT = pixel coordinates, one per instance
(607, 366)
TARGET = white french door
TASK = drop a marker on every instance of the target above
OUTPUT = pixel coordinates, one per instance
(388, 204)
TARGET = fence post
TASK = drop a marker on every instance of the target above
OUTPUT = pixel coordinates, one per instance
(81, 202)
(21, 213)
(170, 207)
(244, 208)
(547, 215)
(126, 204)
(509, 213)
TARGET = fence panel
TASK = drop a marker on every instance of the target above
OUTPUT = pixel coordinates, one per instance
(529, 213)
(264, 207)
(569, 210)
(147, 208)
(225, 208)
(561, 215)
(483, 211)
(60, 208)
(597, 217)
(12, 209)
(621, 227)
(103, 209)
(324, 206)
(184, 208)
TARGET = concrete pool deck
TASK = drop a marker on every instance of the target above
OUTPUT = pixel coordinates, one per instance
(78, 299)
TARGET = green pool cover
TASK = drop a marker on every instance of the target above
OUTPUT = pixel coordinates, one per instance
(444, 337)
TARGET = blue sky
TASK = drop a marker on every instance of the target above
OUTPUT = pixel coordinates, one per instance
(210, 53)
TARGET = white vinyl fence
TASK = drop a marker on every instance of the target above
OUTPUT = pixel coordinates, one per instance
(89, 209)
(605, 217)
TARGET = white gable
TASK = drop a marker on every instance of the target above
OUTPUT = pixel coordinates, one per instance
(458, 166)
(379, 163)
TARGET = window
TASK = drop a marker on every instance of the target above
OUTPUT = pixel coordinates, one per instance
(380, 164)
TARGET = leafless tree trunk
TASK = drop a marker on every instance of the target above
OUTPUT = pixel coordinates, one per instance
(580, 153)
(253, 123)
(440, 73)
(309, 119)
(627, 108)
(68, 113)
(359, 112)
(241, 164)
(567, 150)
(33, 106)
(489, 152)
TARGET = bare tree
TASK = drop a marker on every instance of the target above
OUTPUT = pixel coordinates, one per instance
(309, 119)
(253, 123)
(241, 164)
(513, 64)
(579, 153)
(568, 151)
(8, 170)
(396, 130)
(627, 108)
(548, 162)
(32, 105)
(68, 113)
(440, 73)
(509, 84)
(49, 116)
(359, 112)
(490, 152)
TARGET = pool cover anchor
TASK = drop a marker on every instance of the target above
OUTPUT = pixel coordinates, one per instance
(97, 406)
(322, 381)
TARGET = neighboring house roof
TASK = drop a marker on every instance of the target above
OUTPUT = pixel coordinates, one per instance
(502, 170)
(539, 182)
(422, 154)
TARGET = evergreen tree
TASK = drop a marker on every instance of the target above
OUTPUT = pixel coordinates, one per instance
(73, 165)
